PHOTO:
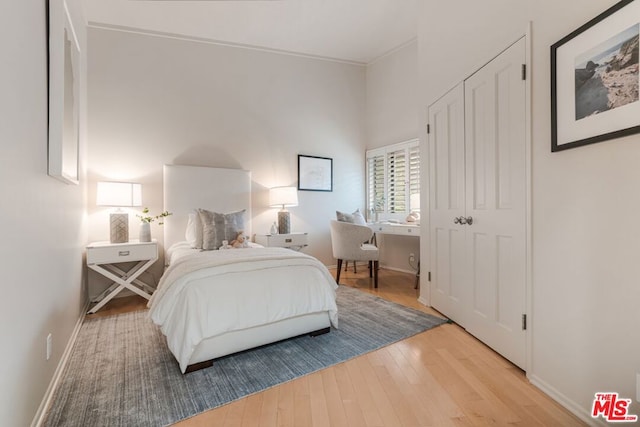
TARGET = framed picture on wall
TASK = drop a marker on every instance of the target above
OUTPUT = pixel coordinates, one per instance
(315, 173)
(64, 94)
(595, 79)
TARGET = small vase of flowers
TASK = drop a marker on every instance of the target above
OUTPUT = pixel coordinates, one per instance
(146, 220)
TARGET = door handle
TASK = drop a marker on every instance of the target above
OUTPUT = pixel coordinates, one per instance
(462, 220)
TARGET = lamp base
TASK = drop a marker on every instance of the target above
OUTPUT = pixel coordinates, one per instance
(119, 227)
(284, 222)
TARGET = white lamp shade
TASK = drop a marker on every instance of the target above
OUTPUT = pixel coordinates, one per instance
(119, 194)
(283, 196)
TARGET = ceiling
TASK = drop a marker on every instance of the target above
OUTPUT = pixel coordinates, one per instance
(356, 31)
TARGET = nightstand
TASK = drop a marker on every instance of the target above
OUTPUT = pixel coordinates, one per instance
(102, 257)
(295, 241)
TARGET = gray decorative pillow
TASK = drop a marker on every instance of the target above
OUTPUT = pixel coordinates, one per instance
(344, 217)
(217, 227)
(354, 218)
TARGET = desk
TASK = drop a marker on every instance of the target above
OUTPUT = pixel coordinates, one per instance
(411, 230)
(400, 229)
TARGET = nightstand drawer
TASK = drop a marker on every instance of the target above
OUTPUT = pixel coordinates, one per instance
(283, 240)
(121, 253)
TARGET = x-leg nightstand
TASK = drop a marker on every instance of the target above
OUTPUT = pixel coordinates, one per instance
(102, 257)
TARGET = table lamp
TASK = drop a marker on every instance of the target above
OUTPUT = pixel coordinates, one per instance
(285, 197)
(119, 195)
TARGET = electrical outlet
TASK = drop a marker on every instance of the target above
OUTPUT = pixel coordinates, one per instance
(412, 257)
(49, 344)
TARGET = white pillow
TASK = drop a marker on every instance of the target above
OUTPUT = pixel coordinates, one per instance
(358, 218)
(193, 234)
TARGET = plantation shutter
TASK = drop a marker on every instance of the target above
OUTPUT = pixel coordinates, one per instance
(375, 179)
(393, 175)
(414, 171)
(397, 181)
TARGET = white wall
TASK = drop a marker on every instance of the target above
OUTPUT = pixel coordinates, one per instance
(392, 97)
(586, 275)
(43, 220)
(156, 100)
(392, 117)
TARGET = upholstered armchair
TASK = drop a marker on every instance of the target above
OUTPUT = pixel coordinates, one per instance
(348, 242)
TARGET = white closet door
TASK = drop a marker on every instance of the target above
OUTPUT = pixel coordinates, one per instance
(447, 201)
(477, 146)
(495, 146)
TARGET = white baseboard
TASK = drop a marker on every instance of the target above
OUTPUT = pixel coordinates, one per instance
(401, 270)
(57, 375)
(423, 300)
(567, 403)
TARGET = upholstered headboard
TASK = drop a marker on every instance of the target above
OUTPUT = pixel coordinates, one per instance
(191, 187)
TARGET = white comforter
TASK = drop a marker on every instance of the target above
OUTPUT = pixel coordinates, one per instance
(205, 294)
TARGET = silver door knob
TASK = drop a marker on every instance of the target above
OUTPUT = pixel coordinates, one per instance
(456, 220)
(468, 220)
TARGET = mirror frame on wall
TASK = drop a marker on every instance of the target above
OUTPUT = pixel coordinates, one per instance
(64, 94)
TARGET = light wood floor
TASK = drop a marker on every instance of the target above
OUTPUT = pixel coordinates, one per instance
(441, 377)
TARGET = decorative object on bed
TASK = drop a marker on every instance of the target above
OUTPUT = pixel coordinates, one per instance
(145, 223)
(240, 241)
(283, 197)
(315, 173)
(594, 79)
(348, 243)
(119, 195)
(134, 357)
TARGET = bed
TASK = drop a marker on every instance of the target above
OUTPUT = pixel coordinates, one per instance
(214, 303)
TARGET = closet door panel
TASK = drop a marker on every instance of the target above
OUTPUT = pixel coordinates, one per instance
(447, 202)
(495, 99)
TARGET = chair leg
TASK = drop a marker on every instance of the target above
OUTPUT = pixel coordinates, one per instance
(375, 273)
(346, 266)
(338, 272)
(418, 277)
(370, 268)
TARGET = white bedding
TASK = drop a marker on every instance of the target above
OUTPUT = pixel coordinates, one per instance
(203, 294)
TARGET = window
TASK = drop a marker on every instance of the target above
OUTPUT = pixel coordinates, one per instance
(393, 175)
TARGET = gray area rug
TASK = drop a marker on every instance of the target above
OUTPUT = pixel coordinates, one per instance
(121, 372)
